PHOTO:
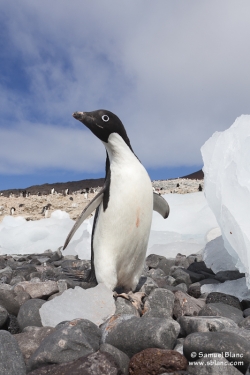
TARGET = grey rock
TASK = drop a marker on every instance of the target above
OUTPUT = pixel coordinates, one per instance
(99, 363)
(11, 359)
(181, 276)
(3, 316)
(194, 258)
(68, 342)
(12, 325)
(221, 309)
(191, 324)
(245, 323)
(242, 332)
(6, 273)
(123, 306)
(37, 289)
(160, 304)
(17, 279)
(28, 314)
(131, 334)
(152, 260)
(228, 343)
(179, 345)
(155, 273)
(215, 297)
(204, 366)
(194, 289)
(181, 260)
(246, 312)
(146, 285)
(228, 275)
(182, 286)
(12, 301)
(30, 339)
(166, 264)
(120, 358)
(186, 305)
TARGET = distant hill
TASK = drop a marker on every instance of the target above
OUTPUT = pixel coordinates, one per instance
(78, 185)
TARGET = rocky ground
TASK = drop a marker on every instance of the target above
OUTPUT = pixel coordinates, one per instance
(31, 207)
(166, 327)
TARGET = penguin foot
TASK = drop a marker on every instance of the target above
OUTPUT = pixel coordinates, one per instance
(134, 298)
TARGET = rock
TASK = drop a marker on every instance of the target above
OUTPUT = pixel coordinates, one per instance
(152, 260)
(30, 339)
(179, 345)
(146, 285)
(24, 270)
(155, 273)
(246, 312)
(12, 301)
(186, 305)
(191, 324)
(6, 273)
(160, 304)
(11, 359)
(221, 309)
(200, 267)
(230, 344)
(17, 279)
(132, 335)
(194, 289)
(119, 357)
(37, 289)
(29, 315)
(12, 325)
(181, 276)
(215, 297)
(206, 366)
(3, 316)
(242, 332)
(166, 264)
(98, 363)
(95, 304)
(228, 275)
(245, 323)
(181, 261)
(154, 361)
(68, 342)
(123, 306)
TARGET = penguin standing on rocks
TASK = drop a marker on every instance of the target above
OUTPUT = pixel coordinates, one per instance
(124, 207)
(12, 210)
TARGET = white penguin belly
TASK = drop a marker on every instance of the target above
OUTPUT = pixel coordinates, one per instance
(122, 230)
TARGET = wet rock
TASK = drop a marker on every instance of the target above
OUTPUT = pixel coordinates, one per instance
(186, 305)
(37, 289)
(160, 304)
(191, 324)
(155, 361)
(30, 339)
(68, 342)
(98, 363)
(132, 335)
(221, 309)
(11, 359)
(29, 315)
(216, 297)
(120, 358)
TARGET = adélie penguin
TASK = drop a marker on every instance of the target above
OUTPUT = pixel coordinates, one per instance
(124, 207)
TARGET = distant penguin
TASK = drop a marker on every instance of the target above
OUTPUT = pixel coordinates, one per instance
(45, 210)
(52, 191)
(200, 187)
(86, 195)
(124, 207)
(12, 210)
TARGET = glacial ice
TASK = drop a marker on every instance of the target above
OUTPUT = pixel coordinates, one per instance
(235, 288)
(226, 157)
(95, 304)
(184, 231)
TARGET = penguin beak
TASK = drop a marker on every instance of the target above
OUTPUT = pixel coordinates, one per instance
(86, 118)
(81, 116)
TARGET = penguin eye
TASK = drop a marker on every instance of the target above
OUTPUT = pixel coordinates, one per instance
(105, 118)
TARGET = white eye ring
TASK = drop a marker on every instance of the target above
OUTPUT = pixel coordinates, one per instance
(105, 118)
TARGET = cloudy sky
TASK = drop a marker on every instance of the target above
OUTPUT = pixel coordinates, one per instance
(173, 71)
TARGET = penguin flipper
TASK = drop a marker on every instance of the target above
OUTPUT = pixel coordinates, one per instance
(85, 213)
(161, 205)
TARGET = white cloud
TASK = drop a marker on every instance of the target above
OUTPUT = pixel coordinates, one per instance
(174, 72)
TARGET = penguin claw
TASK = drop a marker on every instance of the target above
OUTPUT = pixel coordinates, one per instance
(134, 298)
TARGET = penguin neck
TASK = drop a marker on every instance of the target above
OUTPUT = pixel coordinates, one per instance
(118, 150)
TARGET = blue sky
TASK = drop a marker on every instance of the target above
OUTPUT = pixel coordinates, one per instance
(174, 72)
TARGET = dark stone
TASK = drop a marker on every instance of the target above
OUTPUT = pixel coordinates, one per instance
(191, 324)
(6, 274)
(181, 260)
(132, 335)
(246, 312)
(228, 275)
(221, 309)
(227, 343)
(30, 339)
(68, 342)
(194, 289)
(215, 297)
(186, 305)
(98, 363)
(12, 301)
(245, 323)
(3, 316)
(29, 313)
(146, 285)
(205, 366)
(123, 306)
(119, 357)
(160, 304)
(155, 361)
(24, 270)
(181, 276)
(12, 325)
(200, 267)
(11, 359)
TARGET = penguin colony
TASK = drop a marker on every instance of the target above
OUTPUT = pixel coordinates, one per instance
(124, 207)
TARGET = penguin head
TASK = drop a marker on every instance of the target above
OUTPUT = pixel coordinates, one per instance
(102, 123)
